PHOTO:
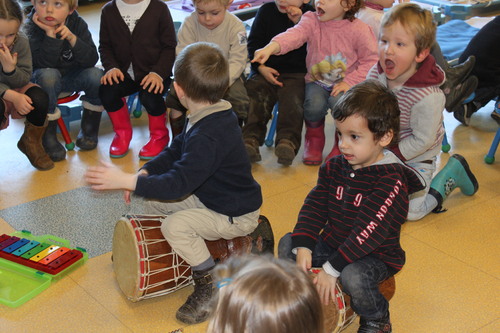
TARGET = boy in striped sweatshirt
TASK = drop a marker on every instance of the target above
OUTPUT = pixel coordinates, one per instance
(410, 72)
(351, 220)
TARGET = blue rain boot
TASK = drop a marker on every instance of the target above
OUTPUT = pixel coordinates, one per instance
(456, 173)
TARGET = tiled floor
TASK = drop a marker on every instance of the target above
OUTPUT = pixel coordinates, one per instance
(449, 284)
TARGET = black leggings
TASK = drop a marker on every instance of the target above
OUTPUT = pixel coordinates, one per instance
(40, 102)
(111, 97)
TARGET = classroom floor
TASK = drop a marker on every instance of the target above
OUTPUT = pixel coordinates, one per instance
(450, 282)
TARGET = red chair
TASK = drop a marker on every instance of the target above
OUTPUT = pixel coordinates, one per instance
(69, 144)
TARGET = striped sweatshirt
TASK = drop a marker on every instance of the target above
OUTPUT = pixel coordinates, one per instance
(359, 212)
(421, 103)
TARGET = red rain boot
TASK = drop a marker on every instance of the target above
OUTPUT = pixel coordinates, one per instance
(123, 132)
(158, 137)
(335, 150)
(314, 142)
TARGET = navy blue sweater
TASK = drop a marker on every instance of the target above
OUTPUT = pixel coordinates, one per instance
(209, 161)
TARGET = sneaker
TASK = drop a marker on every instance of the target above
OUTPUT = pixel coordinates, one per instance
(285, 150)
(252, 147)
(464, 112)
(457, 74)
(459, 94)
(382, 325)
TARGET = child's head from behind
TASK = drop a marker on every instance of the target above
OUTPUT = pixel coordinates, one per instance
(330, 10)
(367, 121)
(211, 13)
(383, 3)
(11, 16)
(54, 12)
(202, 72)
(264, 294)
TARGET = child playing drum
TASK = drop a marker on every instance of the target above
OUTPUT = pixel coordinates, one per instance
(351, 220)
(203, 181)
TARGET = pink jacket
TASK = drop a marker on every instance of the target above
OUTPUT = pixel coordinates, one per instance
(336, 50)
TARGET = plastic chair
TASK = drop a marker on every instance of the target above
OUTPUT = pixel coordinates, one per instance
(490, 157)
(69, 144)
(138, 107)
(272, 130)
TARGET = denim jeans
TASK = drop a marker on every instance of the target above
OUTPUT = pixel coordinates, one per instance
(359, 279)
(317, 102)
(53, 83)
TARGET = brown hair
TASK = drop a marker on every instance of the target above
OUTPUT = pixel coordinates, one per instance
(202, 71)
(354, 6)
(11, 10)
(264, 294)
(374, 102)
(414, 19)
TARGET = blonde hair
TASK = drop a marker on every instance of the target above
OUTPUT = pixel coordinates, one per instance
(414, 19)
(202, 71)
(264, 294)
(73, 4)
(224, 3)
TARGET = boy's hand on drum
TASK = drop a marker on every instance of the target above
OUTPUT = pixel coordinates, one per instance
(304, 259)
(109, 177)
(325, 285)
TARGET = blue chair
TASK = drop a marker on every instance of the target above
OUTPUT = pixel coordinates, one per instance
(272, 130)
(490, 157)
(138, 106)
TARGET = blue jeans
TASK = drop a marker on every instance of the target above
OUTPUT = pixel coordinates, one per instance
(317, 102)
(359, 279)
(53, 83)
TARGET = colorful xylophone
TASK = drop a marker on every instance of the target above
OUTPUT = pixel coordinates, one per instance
(48, 257)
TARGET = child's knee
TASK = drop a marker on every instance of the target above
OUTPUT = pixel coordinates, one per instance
(47, 77)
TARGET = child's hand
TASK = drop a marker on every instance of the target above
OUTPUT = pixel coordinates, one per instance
(49, 30)
(325, 285)
(22, 103)
(114, 75)
(294, 14)
(65, 33)
(261, 55)
(152, 83)
(270, 74)
(304, 259)
(339, 88)
(109, 177)
(7, 59)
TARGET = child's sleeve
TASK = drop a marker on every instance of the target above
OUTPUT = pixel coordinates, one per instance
(257, 38)
(22, 73)
(108, 59)
(187, 34)
(238, 53)
(366, 50)
(295, 37)
(314, 212)
(426, 122)
(84, 51)
(168, 43)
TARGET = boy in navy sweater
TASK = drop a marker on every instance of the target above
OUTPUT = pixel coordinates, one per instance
(203, 181)
(351, 220)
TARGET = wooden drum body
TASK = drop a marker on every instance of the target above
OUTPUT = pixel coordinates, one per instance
(145, 265)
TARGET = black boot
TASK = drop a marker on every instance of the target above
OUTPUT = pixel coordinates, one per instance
(382, 325)
(52, 146)
(457, 74)
(263, 237)
(460, 93)
(87, 138)
(196, 308)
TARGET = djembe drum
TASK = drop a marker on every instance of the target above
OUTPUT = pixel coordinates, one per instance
(146, 266)
(338, 314)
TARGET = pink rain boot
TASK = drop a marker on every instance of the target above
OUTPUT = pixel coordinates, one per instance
(158, 137)
(314, 142)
